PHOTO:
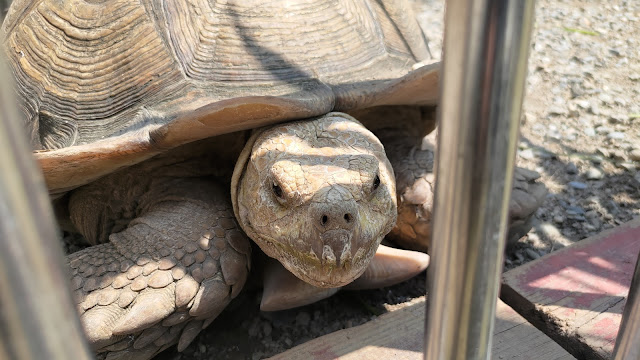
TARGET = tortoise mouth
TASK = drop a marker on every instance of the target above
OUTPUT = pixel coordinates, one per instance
(324, 271)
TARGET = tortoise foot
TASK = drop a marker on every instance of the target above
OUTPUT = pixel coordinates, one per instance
(163, 278)
(415, 184)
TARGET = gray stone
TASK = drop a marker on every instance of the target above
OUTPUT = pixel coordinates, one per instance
(266, 328)
(577, 185)
(532, 254)
(571, 168)
(303, 318)
(575, 210)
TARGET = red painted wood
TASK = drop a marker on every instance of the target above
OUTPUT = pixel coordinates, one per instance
(578, 293)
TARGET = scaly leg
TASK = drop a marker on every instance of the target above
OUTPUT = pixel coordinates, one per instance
(415, 183)
(174, 259)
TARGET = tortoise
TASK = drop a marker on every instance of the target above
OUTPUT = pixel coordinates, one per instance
(142, 113)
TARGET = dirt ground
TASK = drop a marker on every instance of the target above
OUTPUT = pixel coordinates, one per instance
(580, 129)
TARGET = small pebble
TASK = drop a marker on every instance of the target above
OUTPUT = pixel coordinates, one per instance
(605, 98)
(604, 152)
(596, 159)
(616, 135)
(583, 104)
(558, 110)
(619, 155)
(571, 168)
(526, 154)
(578, 185)
(558, 219)
(626, 165)
(266, 328)
(591, 214)
(618, 118)
(635, 155)
(594, 174)
(253, 329)
(575, 210)
(532, 254)
(590, 132)
(303, 318)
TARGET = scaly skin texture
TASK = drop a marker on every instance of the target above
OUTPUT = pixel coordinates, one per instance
(174, 259)
(316, 195)
(402, 131)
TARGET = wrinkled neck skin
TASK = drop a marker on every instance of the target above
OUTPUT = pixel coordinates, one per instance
(317, 195)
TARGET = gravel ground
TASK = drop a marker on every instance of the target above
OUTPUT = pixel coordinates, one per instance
(581, 120)
(580, 131)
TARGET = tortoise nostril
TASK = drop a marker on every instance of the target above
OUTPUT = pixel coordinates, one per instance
(347, 218)
(324, 219)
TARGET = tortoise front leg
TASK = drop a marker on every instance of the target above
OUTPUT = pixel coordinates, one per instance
(415, 183)
(169, 271)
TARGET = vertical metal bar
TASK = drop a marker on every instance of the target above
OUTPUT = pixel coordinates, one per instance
(486, 44)
(37, 317)
(628, 342)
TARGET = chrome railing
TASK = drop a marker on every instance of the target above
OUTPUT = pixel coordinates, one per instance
(628, 341)
(486, 44)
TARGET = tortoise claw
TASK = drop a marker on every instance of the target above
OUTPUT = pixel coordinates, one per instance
(283, 290)
(390, 266)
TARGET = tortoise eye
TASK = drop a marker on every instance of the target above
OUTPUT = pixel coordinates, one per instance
(376, 182)
(277, 190)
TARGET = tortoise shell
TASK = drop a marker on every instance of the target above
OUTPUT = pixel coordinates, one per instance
(107, 84)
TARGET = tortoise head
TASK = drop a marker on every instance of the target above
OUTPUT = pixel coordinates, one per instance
(317, 195)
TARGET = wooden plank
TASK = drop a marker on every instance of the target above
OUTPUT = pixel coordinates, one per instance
(576, 295)
(400, 335)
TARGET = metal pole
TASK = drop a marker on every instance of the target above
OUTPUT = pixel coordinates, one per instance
(486, 44)
(37, 317)
(628, 342)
